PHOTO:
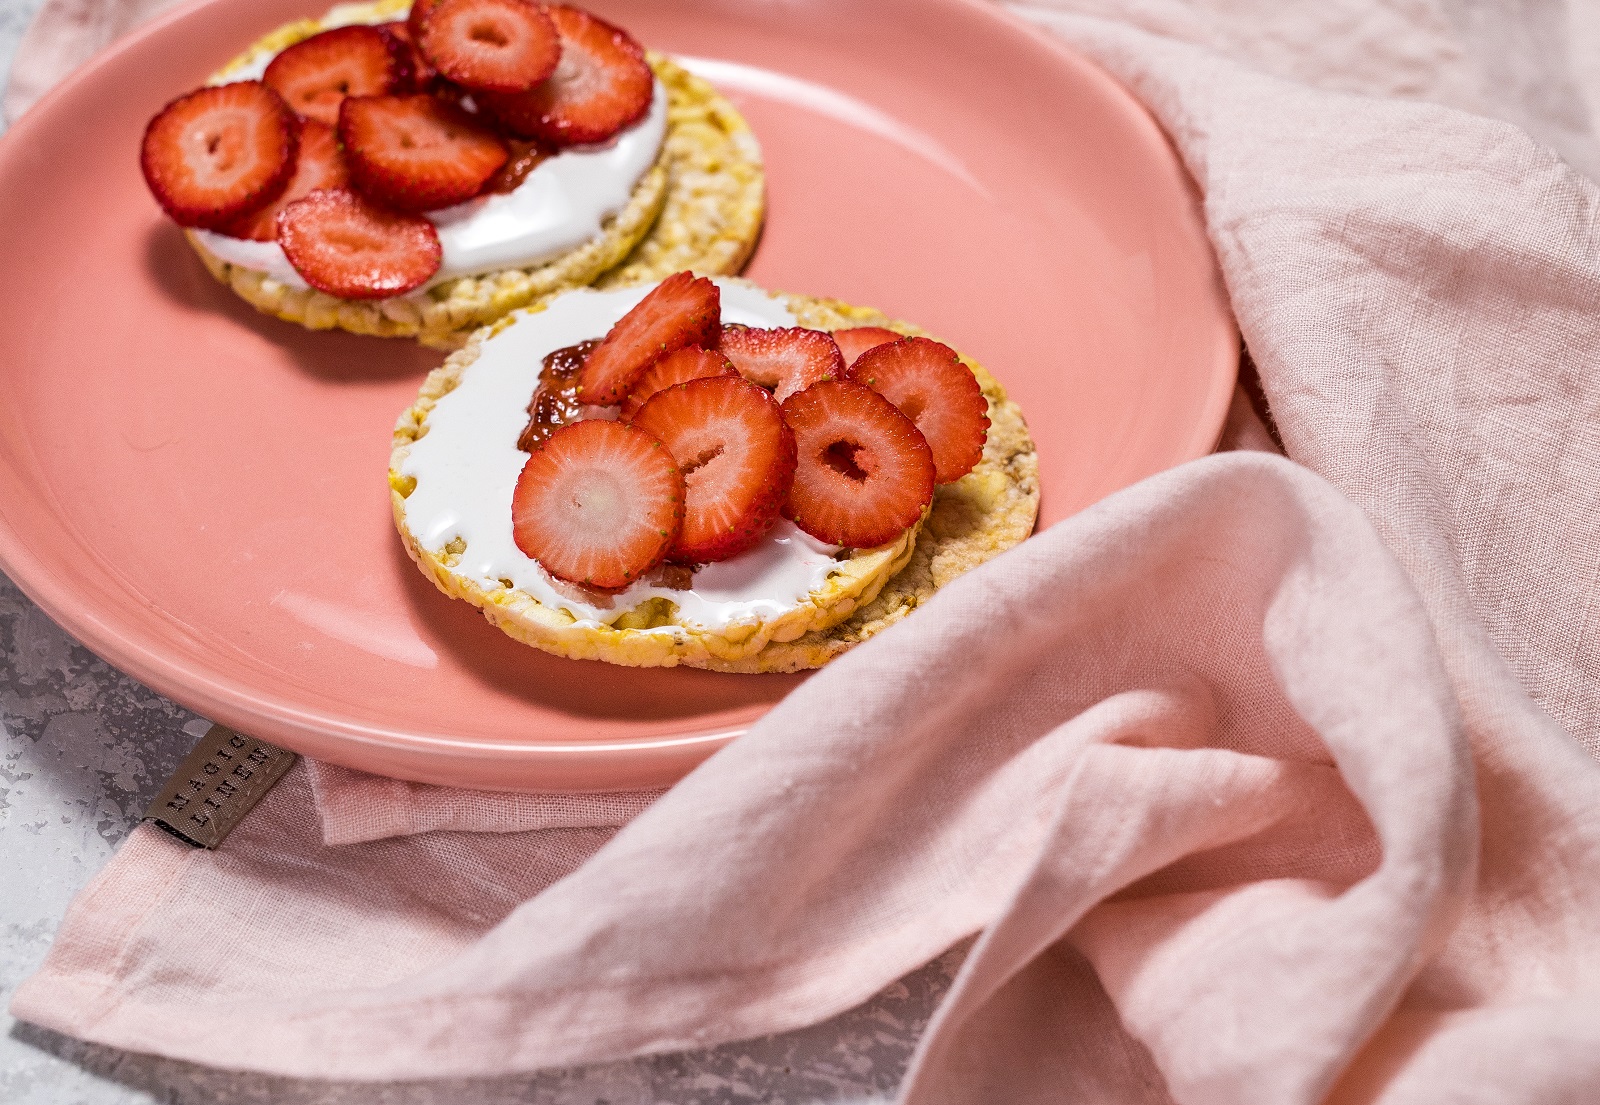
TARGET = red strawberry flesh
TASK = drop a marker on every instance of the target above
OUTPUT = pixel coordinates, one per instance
(319, 164)
(417, 74)
(314, 76)
(864, 473)
(679, 367)
(491, 45)
(785, 360)
(219, 154)
(858, 339)
(737, 456)
(601, 85)
(926, 380)
(682, 310)
(598, 503)
(417, 17)
(348, 247)
(417, 153)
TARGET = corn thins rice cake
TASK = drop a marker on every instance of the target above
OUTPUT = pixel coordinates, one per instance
(700, 205)
(857, 594)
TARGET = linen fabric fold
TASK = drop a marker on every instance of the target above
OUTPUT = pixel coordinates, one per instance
(1192, 756)
(1258, 782)
(64, 35)
(353, 807)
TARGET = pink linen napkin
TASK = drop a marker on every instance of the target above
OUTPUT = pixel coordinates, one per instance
(353, 806)
(1258, 782)
(1190, 762)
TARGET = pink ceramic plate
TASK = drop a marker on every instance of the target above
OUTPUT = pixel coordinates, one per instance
(197, 491)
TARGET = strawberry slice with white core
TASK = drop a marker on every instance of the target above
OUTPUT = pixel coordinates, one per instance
(737, 457)
(601, 85)
(689, 363)
(926, 380)
(598, 503)
(219, 154)
(319, 164)
(786, 360)
(683, 309)
(417, 153)
(491, 45)
(858, 339)
(315, 75)
(348, 247)
(864, 473)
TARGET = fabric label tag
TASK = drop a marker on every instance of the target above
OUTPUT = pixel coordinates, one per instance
(216, 785)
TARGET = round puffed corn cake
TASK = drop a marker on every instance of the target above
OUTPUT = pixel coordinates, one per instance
(699, 206)
(971, 520)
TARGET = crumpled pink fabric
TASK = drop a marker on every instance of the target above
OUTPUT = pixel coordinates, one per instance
(1260, 782)
(353, 806)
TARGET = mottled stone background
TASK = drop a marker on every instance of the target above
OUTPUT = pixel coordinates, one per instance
(83, 748)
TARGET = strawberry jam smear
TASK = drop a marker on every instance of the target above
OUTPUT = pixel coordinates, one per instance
(555, 401)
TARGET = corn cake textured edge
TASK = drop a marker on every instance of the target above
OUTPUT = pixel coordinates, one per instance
(699, 206)
(977, 517)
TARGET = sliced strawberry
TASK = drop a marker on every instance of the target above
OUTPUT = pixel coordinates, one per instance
(319, 164)
(601, 85)
(737, 457)
(315, 75)
(857, 340)
(787, 361)
(864, 474)
(353, 249)
(679, 367)
(417, 74)
(598, 503)
(928, 383)
(417, 153)
(491, 45)
(417, 17)
(682, 310)
(219, 154)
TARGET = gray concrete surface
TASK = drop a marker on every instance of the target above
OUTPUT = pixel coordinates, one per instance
(82, 750)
